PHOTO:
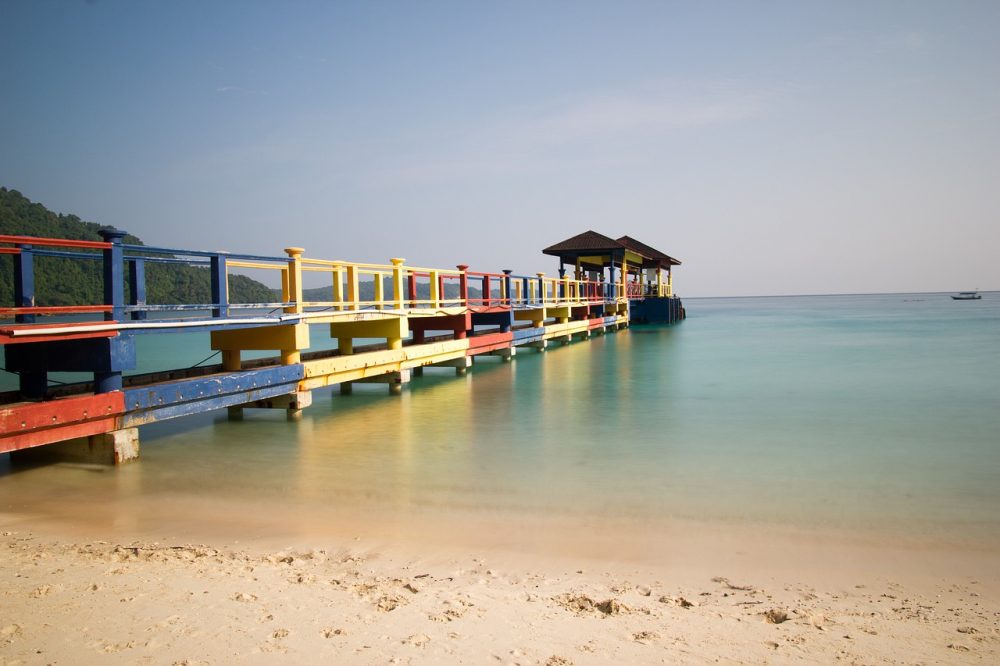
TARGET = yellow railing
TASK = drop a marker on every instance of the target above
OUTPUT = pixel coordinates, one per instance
(396, 286)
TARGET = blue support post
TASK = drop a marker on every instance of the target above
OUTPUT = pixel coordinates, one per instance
(525, 292)
(109, 377)
(114, 274)
(508, 286)
(220, 292)
(32, 384)
(137, 286)
(609, 289)
(24, 283)
(562, 287)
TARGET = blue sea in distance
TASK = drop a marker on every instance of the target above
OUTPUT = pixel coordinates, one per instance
(870, 414)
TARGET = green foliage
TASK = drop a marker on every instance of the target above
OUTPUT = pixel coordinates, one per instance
(64, 281)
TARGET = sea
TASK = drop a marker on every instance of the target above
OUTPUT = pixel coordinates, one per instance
(869, 415)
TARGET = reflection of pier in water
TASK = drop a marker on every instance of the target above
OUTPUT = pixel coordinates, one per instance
(389, 323)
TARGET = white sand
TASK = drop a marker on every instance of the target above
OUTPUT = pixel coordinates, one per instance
(719, 595)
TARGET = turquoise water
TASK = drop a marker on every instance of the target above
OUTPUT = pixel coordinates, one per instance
(870, 414)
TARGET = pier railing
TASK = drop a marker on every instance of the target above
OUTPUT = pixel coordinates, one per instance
(353, 286)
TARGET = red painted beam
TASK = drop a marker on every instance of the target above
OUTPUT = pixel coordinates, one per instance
(7, 336)
(10, 250)
(29, 424)
(481, 344)
(54, 242)
(595, 323)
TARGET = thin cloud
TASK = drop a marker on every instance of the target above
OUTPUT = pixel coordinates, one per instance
(239, 89)
(621, 113)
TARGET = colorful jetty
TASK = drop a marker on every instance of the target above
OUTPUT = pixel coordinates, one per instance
(390, 321)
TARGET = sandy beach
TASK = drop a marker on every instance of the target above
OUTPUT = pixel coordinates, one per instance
(718, 596)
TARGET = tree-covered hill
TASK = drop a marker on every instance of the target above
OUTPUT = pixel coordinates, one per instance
(62, 281)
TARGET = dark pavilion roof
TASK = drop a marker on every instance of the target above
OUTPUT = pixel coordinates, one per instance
(591, 243)
(588, 241)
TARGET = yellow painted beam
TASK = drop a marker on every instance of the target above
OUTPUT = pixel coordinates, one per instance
(388, 328)
(561, 330)
(533, 315)
(633, 257)
(337, 369)
(561, 312)
(291, 336)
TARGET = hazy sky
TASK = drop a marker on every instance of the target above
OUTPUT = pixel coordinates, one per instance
(801, 147)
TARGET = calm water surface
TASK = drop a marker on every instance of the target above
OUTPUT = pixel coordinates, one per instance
(868, 414)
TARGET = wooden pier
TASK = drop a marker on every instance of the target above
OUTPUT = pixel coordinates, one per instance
(412, 318)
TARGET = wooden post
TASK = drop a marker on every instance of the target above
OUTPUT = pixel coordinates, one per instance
(220, 286)
(24, 283)
(338, 288)
(463, 284)
(294, 279)
(114, 274)
(435, 290)
(137, 286)
(379, 291)
(397, 282)
(353, 288)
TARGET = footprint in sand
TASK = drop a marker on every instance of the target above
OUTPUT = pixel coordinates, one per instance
(417, 640)
(42, 591)
(330, 633)
(9, 634)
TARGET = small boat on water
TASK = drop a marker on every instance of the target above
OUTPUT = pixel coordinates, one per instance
(967, 296)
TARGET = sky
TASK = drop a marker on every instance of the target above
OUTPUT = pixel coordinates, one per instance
(773, 147)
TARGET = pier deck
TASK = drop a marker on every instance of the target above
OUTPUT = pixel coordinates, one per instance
(419, 317)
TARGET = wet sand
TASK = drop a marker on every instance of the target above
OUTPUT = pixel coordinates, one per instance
(694, 594)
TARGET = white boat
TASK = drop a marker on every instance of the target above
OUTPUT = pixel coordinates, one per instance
(967, 296)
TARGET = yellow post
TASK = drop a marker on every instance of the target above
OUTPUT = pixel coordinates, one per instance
(231, 359)
(624, 283)
(398, 289)
(379, 291)
(294, 279)
(285, 297)
(353, 290)
(435, 290)
(338, 288)
(659, 281)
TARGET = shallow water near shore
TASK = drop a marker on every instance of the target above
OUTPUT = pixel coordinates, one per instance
(875, 416)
